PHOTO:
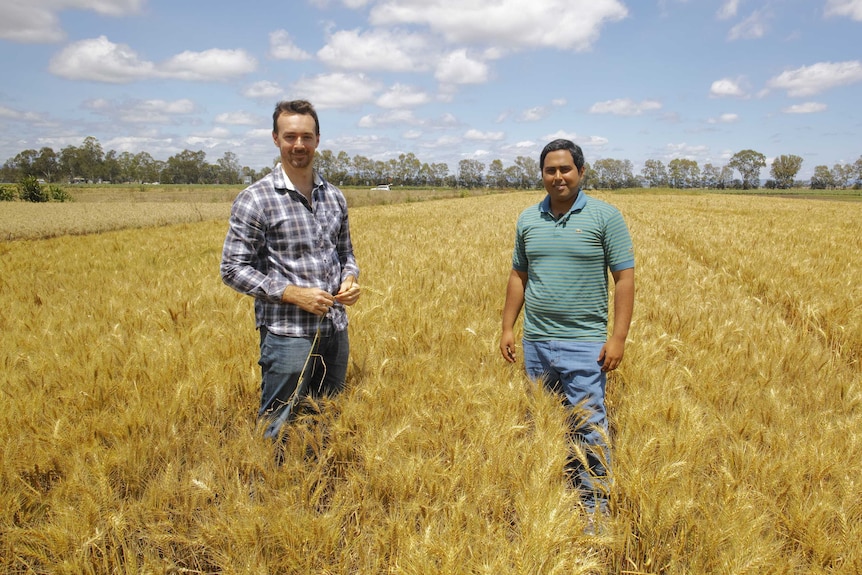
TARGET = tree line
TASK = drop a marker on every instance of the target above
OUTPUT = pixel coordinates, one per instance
(90, 163)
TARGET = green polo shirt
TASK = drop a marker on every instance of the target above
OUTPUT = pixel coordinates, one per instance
(567, 262)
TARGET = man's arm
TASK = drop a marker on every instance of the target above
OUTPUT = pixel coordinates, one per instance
(516, 287)
(624, 302)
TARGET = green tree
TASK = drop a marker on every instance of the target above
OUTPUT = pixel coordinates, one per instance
(90, 159)
(440, 174)
(111, 167)
(842, 175)
(470, 173)
(525, 173)
(710, 176)
(822, 178)
(613, 174)
(683, 173)
(228, 169)
(47, 164)
(30, 190)
(654, 174)
(784, 170)
(496, 174)
(187, 167)
(407, 169)
(748, 163)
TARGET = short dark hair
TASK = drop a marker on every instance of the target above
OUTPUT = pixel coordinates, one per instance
(561, 144)
(301, 107)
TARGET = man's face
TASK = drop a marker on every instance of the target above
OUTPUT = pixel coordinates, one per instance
(561, 178)
(296, 139)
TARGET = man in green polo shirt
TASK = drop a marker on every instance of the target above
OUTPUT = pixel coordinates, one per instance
(564, 248)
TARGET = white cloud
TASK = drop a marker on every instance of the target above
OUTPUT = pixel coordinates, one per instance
(263, 90)
(208, 66)
(100, 60)
(402, 96)
(392, 117)
(624, 107)
(727, 118)
(685, 151)
(10, 114)
(459, 68)
(153, 111)
(806, 108)
(751, 28)
(282, 47)
(851, 8)
(515, 24)
(728, 9)
(726, 87)
(237, 119)
(583, 141)
(477, 135)
(376, 50)
(533, 114)
(810, 80)
(37, 21)
(337, 90)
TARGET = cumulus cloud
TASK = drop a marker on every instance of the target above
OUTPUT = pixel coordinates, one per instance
(850, 8)
(624, 107)
(281, 47)
(376, 50)
(517, 24)
(459, 68)
(37, 21)
(100, 60)
(402, 96)
(337, 90)
(208, 66)
(806, 108)
(726, 87)
(810, 80)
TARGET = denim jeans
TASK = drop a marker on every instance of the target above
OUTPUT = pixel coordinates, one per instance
(572, 370)
(281, 362)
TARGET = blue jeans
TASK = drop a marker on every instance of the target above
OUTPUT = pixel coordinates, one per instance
(572, 369)
(281, 362)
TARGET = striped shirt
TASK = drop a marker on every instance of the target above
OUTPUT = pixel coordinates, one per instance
(275, 239)
(567, 262)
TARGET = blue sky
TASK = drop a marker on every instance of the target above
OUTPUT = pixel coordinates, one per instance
(444, 79)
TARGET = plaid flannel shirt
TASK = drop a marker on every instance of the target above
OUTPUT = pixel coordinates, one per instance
(276, 239)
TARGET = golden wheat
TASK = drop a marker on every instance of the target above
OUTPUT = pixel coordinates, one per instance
(130, 391)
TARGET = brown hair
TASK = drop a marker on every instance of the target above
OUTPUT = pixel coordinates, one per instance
(302, 107)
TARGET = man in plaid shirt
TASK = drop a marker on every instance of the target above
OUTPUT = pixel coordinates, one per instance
(288, 246)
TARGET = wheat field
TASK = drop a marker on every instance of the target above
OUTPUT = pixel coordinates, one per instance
(128, 440)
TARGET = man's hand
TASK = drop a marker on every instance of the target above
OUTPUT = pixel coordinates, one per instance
(612, 354)
(312, 300)
(349, 291)
(507, 346)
